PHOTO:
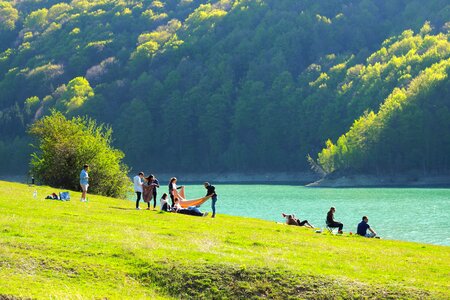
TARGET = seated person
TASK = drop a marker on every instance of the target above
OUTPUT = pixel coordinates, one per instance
(164, 204)
(331, 222)
(362, 228)
(292, 220)
(191, 210)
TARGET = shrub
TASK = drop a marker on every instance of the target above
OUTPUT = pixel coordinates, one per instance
(66, 145)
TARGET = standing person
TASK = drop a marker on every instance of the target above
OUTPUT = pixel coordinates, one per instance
(362, 228)
(211, 190)
(155, 183)
(138, 182)
(147, 191)
(84, 182)
(172, 187)
(331, 222)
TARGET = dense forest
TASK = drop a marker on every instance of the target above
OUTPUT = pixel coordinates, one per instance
(197, 85)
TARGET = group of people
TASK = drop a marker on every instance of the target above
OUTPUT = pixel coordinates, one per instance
(331, 223)
(146, 187)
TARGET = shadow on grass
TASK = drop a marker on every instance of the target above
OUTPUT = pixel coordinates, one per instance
(122, 208)
(225, 281)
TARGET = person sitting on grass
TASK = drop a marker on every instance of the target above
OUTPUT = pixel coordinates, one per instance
(164, 204)
(292, 220)
(331, 222)
(191, 210)
(362, 228)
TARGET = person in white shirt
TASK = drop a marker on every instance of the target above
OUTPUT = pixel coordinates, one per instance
(138, 181)
(164, 203)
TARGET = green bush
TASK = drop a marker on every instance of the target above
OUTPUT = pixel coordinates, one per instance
(66, 145)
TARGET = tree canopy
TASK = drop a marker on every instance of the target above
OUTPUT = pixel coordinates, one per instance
(64, 146)
(216, 85)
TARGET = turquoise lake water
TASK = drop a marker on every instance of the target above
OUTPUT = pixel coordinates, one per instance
(411, 214)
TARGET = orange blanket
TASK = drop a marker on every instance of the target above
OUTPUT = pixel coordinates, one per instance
(186, 203)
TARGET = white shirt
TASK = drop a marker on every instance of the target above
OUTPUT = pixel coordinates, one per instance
(163, 201)
(137, 183)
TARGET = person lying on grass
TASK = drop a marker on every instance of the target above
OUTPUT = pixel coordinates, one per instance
(191, 210)
(292, 220)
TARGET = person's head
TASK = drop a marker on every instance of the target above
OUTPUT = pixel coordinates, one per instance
(332, 209)
(148, 178)
(164, 196)
(365, 219)
(173, 180)
(86, 167)
(151, 176)
(141, 174)
(206, 184)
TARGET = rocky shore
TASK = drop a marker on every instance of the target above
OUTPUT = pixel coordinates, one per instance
(405, 180)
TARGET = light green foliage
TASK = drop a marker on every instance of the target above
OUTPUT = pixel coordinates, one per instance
(365, 145)
(64, 146)
(37, 20)
(285, 75)
(77, 92)
(54, 249)
(58, 11)
(31, 104)
(8, 16)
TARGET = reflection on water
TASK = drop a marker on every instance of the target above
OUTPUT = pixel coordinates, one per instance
(412, 214)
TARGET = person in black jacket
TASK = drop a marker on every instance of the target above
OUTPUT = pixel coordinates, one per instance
(331, 222)
(211, 190)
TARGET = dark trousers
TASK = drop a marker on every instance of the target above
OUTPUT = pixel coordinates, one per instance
(336, 224)
(302, 223)
(186, 211)
(138, 198)
(173, 200)
(154, 197)
(213, 206)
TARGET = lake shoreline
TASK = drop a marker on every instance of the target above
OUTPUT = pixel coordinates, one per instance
(308, 179)
(294, 178)
(404, 180)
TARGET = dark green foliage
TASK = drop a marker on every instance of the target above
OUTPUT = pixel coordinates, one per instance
(215, 85)
(64, 146)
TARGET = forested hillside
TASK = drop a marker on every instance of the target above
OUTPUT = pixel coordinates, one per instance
(234, 85)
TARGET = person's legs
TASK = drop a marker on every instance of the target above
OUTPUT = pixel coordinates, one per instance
(173, 200)
(213, 207)
(191, 212)
(302, 223)
(339, 225)
(370, 235)
(308, 224)
(154, 198)
(138, 198)
(83, 192)
(195, 211)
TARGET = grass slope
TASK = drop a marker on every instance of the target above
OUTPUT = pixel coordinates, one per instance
(106, 249)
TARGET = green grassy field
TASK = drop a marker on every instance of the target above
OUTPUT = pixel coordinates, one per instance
(106, 249)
